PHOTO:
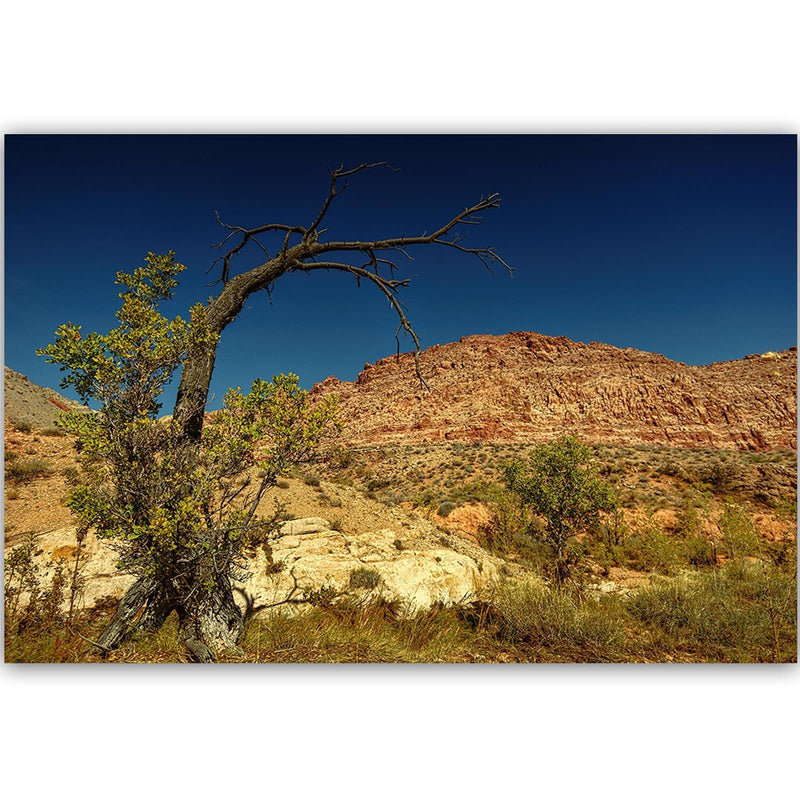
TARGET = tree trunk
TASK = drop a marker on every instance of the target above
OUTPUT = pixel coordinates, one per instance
(198, 368)
(123, 622)
(216, 621)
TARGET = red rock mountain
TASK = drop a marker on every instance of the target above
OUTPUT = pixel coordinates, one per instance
(527, 387)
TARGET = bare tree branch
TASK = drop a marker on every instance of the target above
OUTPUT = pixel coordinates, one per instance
(307, 255)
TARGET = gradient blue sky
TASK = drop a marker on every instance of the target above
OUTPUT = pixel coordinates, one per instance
(681, 245)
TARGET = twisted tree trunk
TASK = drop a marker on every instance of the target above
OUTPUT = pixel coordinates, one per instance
(214, 622)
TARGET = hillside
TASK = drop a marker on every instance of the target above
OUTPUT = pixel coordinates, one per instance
(527, 387)
(28, 404)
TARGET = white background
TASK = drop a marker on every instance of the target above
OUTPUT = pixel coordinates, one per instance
(399, 731)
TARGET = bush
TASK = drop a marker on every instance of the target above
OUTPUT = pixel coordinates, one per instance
(364, 578)
(739, 535)
(652, 550)
(53, 432)
(446, 508)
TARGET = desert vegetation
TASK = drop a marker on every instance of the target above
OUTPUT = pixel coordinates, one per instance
(682, 567)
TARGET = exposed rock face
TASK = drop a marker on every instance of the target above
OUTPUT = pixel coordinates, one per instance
(417, 576)
(529, 387)
(416, 573)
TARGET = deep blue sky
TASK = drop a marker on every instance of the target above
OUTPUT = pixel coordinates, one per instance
(681, 245)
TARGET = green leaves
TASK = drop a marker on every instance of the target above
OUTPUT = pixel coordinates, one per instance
(562, 485)
(177, 509)
(127, 369)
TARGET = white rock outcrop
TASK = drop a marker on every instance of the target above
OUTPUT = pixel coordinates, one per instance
(416, 573)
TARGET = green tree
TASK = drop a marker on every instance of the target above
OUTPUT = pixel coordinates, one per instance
(181, 515)
(561, 484)
(171, 495)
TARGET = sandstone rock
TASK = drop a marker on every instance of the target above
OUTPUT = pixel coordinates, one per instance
(528, 387)
(312, 557)
(414, 578)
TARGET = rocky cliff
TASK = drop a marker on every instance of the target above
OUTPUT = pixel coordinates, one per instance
(528, 387)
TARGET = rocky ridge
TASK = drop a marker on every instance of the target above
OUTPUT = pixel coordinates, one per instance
(528, 387)
(26, 403)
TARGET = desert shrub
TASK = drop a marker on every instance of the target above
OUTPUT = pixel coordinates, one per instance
(698, 551)
(10, 455)
(33, 605)
(341, 457)
(364, 578)
(745, 611)
(651, 550)
(721, 475)
(509, 518)
(311, 480)
(739, 536)
(688, 522)
(561, 483)
(26, 470)
(282, 484)
(446, 508)
(71, 475)
(53, 432)
(532, 613)
(23, 427)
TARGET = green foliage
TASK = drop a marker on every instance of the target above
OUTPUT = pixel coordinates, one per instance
(739, 535)
(745, 611)
(180, 511)
(529, 612)
(33, 604)
(561, 484)
(446, 508)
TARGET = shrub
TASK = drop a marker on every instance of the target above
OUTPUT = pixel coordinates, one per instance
(24, 427)
(745, 611)
(311, 480)
(364, 578)
(739, 535)
(652, 550)
(53, 432)
(446, 508)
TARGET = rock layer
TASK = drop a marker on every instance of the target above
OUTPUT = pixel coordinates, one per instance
(529, 387)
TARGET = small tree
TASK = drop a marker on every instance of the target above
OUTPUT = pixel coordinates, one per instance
(180, 515)
(562, 485)
(168, 493)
